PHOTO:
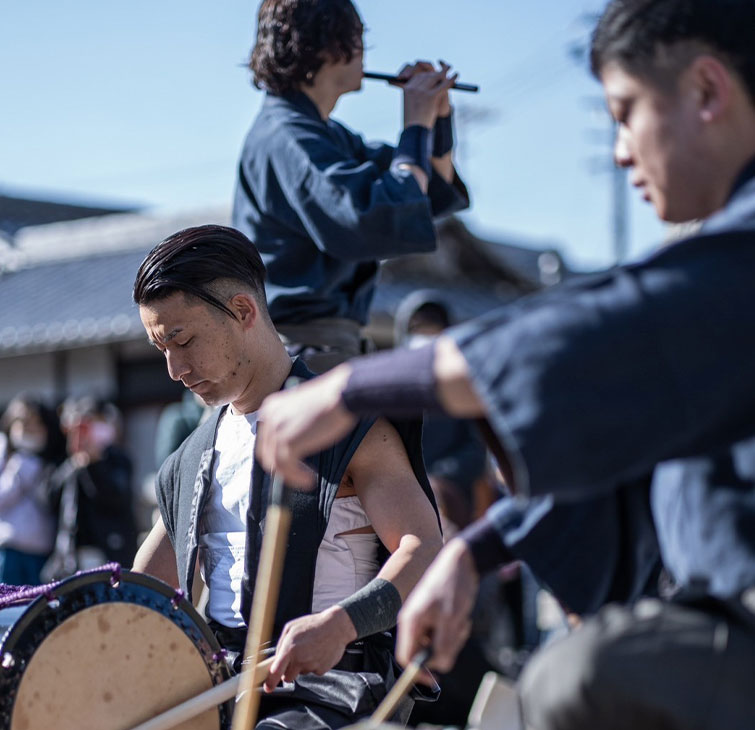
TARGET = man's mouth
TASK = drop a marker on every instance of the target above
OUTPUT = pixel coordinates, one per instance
(642, 189)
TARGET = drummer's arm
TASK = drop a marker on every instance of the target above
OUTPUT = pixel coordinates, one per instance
(403, 518)
(399, 510)
(156, 556)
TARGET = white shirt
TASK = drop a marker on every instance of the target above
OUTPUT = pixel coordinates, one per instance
(222, 529)
(345, 563)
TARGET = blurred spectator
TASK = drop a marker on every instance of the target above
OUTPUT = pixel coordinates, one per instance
(92, 492)
(455, 456)
(31, 445)
(177, 421)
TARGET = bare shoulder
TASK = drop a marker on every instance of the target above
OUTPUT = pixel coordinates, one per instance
(381, 447)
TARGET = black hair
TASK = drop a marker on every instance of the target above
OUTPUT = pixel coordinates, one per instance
(633, 32)
(54, 450)
(430, 314)
(191, 260)
(295, 38)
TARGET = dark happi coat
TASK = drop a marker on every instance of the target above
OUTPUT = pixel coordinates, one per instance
(626, 405)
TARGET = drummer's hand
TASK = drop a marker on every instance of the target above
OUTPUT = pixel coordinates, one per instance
(298, 422)
(438, 610)
(313, 643)
(425, 92)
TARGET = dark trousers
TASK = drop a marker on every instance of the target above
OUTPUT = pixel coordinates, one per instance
(655, 666)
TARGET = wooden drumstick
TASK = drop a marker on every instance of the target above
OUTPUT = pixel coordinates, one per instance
(399, 690)
(264, 603)
(202, 702)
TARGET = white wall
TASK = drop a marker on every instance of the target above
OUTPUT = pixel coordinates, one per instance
(84, 371)
(33, 373)
(90, 371)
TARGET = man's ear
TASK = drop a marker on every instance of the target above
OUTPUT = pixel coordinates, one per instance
(246, 309)
(713, 83)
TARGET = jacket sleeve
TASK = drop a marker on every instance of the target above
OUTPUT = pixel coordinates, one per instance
(353, 209)
(589, 553)
(445, 198)
(592, 385)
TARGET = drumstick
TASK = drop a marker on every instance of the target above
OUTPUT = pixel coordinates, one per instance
(399, 690)
(205, 701)
(266, 589)
(396, 80)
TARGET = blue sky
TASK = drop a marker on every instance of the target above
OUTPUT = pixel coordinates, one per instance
(146, 102)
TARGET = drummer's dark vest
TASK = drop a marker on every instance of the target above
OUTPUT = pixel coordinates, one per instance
(183, 486)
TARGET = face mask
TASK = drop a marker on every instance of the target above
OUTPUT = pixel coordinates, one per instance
(101, 434)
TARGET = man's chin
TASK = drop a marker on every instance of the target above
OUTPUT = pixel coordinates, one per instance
(208, 398)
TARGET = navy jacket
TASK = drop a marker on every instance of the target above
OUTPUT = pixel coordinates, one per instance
(647, 369)
(323, 207)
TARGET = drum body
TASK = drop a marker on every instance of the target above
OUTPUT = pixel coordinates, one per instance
(105, 651)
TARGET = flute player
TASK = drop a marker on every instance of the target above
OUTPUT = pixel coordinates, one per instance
(323, 206)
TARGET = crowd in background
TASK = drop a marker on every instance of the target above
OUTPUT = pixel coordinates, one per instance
(66, 494)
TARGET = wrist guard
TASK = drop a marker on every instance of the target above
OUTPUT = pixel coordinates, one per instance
(374, 608)
(443, 136)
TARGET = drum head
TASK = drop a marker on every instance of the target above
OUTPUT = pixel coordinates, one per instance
(114, 656)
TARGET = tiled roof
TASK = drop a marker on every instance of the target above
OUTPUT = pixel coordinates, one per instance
(63, 304)
(67, 285)
(70, 284)
(17, 212)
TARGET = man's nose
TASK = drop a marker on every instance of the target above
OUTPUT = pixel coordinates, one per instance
(621, 154)
(177, 366)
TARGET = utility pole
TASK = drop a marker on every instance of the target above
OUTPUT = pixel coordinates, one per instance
(620, 208)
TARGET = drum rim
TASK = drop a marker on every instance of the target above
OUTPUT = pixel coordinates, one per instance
(35, 610)
(69, 585)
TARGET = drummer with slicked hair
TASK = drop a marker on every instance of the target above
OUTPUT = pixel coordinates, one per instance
(360, 539)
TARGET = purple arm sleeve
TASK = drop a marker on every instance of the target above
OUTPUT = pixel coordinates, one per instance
(397, 383)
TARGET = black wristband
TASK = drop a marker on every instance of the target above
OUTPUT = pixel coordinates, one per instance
(486, 545)
(443, 136)
(397, 383)
(374, 608)
(414, 148)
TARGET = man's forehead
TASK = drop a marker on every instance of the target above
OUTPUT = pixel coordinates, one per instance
(618, 83)
(165, 318)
